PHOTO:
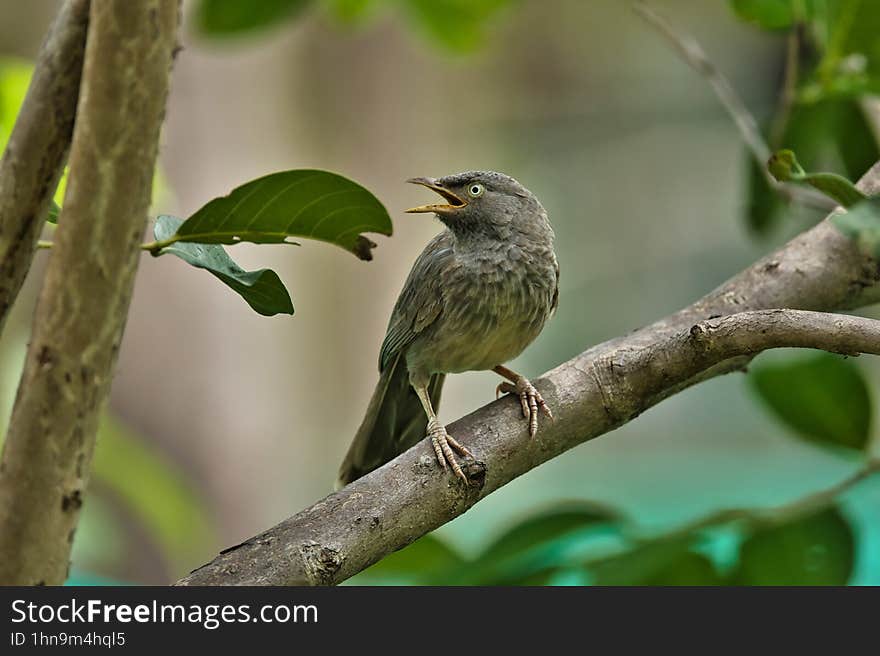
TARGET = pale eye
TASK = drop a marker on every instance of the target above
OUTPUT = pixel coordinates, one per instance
(476, 190)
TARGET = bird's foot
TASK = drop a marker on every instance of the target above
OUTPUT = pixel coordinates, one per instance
(445, 447)
(529, 397)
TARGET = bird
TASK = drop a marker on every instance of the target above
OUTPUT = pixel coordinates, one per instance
(479, 293)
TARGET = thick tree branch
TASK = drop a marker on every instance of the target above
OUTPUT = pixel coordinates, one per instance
(595, 392)
(84, 300)
(34, 157)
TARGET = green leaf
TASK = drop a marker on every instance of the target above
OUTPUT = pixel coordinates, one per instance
(413, 565)
(223, 18)
(459, 25)
(783, 166)
(54, 211)
(545, 527)
(302, 203)
(156, 493)
(666, 562)
(350, 11)
(823, 398)
(862, 225)
(766, 14)
(529, 552)
(856, 141)
(815, 550)
(850, 63)
(262, 289)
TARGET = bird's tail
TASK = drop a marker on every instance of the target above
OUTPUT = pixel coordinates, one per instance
(395, 421)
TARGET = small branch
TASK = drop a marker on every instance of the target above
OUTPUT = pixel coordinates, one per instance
(692, 53)
(789, 87)
(83, 304)
(34, 157)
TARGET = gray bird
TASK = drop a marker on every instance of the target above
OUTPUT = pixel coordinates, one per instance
(479, 293)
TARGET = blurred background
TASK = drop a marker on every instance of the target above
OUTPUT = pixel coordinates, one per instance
(223, 422)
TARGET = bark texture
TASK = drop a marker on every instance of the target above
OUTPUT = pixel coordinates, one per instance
(37, 149)
(84, 300)
(591, 394)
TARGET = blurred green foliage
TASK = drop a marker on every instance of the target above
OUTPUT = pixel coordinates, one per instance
(862, 225)
(456, 25)
(833, 67)
(823, 398)
(816, 550)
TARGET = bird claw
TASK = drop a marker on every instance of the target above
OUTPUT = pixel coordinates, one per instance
(530, 400)
(445, 447)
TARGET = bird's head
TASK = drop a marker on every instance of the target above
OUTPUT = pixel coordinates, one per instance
(479, 201)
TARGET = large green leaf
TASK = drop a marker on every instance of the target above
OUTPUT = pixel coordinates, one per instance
(221, 18)
(815, 550)
(262, 289)
(823, 398)
(302, 203)
(415, 564)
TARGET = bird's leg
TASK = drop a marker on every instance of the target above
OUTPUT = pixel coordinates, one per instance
(529, 397)
(442, 442)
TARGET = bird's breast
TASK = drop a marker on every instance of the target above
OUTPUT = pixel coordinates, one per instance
(494, 305)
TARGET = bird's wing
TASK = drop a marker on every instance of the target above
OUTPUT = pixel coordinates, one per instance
(421, 300)
(555, 302)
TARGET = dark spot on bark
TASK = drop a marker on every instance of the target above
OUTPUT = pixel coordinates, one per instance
(72, 501)
(475, 471)
(374, 522)
(70, 536)
(40, 583)
(771, 266)
(85, 374)
(154, 23)
(44, 357)
(80, 461)
(715, 316)
(68, 378)
(363, 248)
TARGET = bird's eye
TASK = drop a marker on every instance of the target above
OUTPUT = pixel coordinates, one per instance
(476, 190)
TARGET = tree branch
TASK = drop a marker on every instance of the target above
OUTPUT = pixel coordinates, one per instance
(34, 157)
(591, 394)
(85, 296)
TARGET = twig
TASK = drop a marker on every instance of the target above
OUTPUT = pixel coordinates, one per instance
(692, 53)
(789, 88)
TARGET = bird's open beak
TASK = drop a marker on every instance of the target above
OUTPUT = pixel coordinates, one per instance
(455, 203)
